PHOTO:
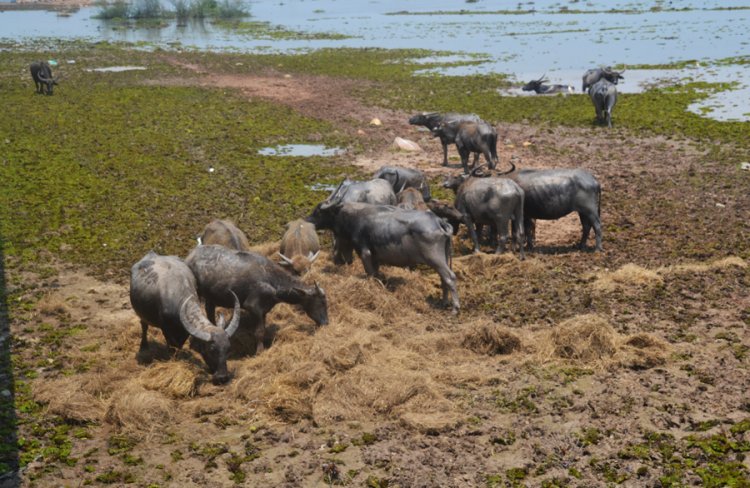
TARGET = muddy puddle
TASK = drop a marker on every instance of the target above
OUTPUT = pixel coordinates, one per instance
(301, 150)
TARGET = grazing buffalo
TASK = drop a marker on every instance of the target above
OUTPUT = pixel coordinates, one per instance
(411, 199)
(494, 201)
(593, 75)
(540, 88)
(603, 95)
(384, 234)
(299, 246)
(550, 194)
(41, 73)
(448, 123)
(402, 178)
(163, 293)
(224, 233)
(475, 137)
(258, 282)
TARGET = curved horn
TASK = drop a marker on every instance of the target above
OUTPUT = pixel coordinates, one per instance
(234, 324)
(195, 323)
(542, 77)
(318, 289)
(287, 261)
(312, 257)
(475, 170)
(512, 168)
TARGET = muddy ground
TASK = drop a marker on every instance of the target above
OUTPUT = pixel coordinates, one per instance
(567, 369)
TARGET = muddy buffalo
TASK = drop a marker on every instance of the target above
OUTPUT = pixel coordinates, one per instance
(163, 293)
(258, 282)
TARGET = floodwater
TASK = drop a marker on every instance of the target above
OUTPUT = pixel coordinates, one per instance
(540, 39)
(301, 150)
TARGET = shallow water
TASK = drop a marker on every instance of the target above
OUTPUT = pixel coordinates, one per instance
(301, 150)
(525, 45)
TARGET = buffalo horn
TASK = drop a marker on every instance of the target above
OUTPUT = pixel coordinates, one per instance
(235, 322)
(312, 257)
(286, 262)
(193, 320)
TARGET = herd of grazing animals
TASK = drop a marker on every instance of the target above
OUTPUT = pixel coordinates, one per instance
(390, 219)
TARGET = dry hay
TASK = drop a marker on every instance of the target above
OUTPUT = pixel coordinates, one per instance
(732, 261)
(138, 411)
(173, 378)
(628, 276)
(642, 351)
(67, 398)
(486, 337)
(586, 338)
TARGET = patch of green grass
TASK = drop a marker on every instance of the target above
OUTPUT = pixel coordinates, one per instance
(265, 30)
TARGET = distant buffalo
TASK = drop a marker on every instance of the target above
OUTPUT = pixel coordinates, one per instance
(41, 72)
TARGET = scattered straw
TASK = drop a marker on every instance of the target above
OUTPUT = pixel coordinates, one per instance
(66, 397)
(138, 411)
(490, 338)
(642, 351)
(630, 275)
(174, 378)
(586, 338)
(731, 261)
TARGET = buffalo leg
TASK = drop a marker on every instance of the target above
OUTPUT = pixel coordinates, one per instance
(472, 232)
(371, 266)
(585, 230)
(530, 231)
(445, 153)
(501, 234)
(464, 153)
(144, 337)
(447, 283)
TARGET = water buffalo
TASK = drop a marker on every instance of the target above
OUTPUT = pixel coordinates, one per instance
(493, 201)
(163, 293)
(411, 199)
(299, 246)
(384, 234)
(475, 137)
(402, 178)
(41, 73)
(224, 233)
(603, 95)
(258, 282)
(550, 194)
(593, 75)
(449, 124)
(540, 88)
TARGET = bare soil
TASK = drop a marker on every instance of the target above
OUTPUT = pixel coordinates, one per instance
(555, 366)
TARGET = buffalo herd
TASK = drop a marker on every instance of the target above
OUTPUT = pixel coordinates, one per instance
(390, 219)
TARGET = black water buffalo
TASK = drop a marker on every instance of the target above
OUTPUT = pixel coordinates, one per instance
(475, 137)
(163, 293)
(411, 199)
(595, 74)
(603, 95)
(384, 234)
(299, 246)
(402, 178)
(449, 124)
(41, 73)
(258, 282)
(224, 233)
(493, 201)
(540, 88)
(550, 194)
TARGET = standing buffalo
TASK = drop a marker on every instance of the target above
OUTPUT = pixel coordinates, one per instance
(603, 95)
(163, 293)
(41, 72)
(540, 88)
(593, 75)
(383, 234)
(550, 194)
(474, 137)
(449, 127)
(402, 178)
(493, 201)
(224, 233)
(258, 282)
(299, 246)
